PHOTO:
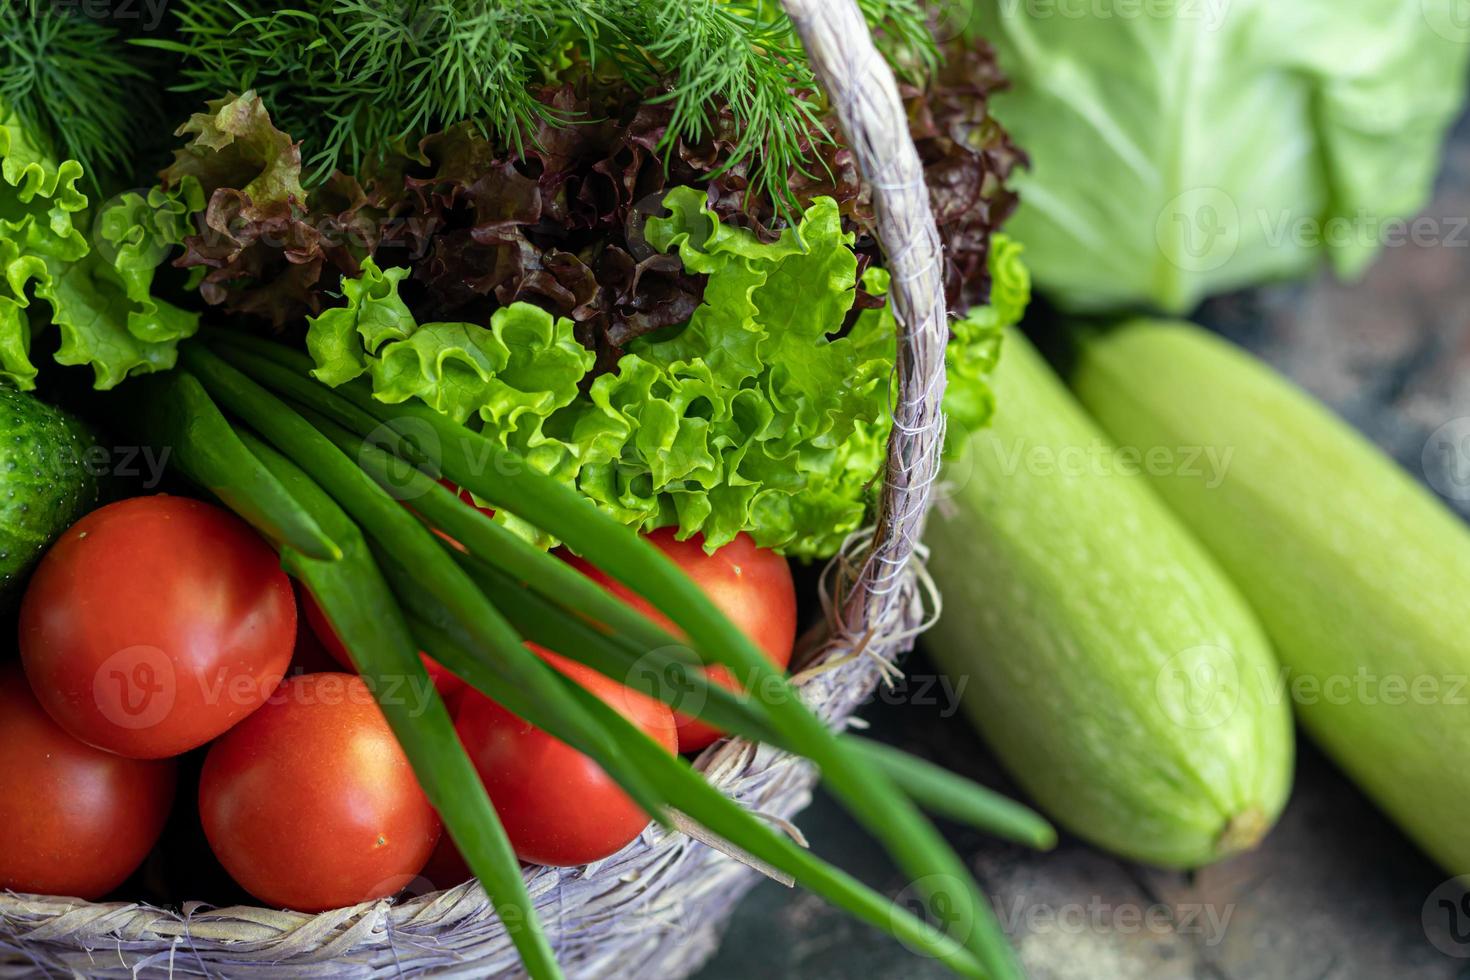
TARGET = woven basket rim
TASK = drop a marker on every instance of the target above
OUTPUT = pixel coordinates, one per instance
(875, 608)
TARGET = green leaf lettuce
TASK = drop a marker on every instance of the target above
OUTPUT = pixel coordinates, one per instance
(94, 271)
(768, 412)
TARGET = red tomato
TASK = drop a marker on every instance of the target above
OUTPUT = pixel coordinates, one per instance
(155, 624)
(446, 867)
(310, 803)
(447, 684)
(750, 585)
(557, 805)
(311, 655)
(77, 820)
(468, 498)
(464, 495)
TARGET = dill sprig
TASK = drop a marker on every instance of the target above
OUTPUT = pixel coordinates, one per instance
(358, 79)
(74, 83)
(355, 78)
(741, 54)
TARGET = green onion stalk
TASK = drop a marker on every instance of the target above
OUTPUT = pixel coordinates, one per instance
(348, 490)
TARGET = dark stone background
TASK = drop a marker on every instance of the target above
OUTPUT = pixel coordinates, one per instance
(1336, 892)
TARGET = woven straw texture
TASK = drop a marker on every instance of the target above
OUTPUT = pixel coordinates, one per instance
(655, 909)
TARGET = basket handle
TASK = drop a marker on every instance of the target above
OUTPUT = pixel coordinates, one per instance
(864, 93)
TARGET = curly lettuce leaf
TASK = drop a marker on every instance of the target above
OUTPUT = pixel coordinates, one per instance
(95, 276)
(767, 412)
(508, 378)
(514, 373)
(975, 341)
(264, 245)
(234, 144)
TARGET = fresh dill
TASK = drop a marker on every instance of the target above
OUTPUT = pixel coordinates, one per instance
(75, 83)
(354, 79)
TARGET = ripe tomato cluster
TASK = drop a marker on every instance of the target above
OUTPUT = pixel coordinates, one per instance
(162, 625)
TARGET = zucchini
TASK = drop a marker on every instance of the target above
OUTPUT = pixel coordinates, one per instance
(1360, 576)
(1111, 666)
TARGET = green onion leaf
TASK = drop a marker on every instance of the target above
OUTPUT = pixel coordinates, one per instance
(500, 477)
(365, 616)
(709, 807)
(412, 544)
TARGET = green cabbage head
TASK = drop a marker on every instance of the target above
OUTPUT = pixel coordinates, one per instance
(1182, 148)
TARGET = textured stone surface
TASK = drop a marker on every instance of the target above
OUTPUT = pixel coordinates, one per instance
(1335, 893)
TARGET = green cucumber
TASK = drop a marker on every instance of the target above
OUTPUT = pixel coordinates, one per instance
(1107, 661)
(1360, 576)
(45, 484)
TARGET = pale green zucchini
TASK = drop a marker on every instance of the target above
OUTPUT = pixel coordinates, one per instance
(1360, 576)
(1113, 668)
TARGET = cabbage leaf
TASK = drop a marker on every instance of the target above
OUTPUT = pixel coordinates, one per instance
(1187, 147)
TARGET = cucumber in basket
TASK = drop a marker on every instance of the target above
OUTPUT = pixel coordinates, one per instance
(1111, 666)
(44, 481)
(1360, 576)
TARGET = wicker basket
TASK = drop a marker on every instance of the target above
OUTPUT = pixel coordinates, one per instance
(656, 908)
